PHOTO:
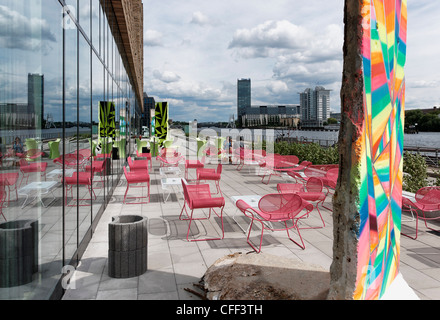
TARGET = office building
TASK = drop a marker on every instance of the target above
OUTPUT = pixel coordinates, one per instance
(243, 97)
(315, 106)
(270, 115)
(36, 98)
(63, 58)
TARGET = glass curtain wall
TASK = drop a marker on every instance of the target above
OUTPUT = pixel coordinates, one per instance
(61, 72)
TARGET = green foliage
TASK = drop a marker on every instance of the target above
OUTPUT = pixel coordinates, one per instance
(425, 121)
(415, 169)
(312, 152)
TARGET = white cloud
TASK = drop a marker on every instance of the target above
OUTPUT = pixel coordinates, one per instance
(199, 18)
(166, 76)
(152, 38)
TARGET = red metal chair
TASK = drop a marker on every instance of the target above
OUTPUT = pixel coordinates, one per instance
(170, 161)
(193, 164)
(198, 196)
(208, 174)
(279, 164)
(304, 164)
(137, 165)
(77, 179)
(27, 168)
(276, 208)
(427, 200)
(137, 177)
(312, 192)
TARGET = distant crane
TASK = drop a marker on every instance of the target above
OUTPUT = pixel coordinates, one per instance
(49, 121)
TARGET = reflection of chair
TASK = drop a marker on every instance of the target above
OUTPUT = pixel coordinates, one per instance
(426, 200)
(137, 165)
(136, 178)
(93, 145)
(276, 208)
(312, 191)
(33, 154)
(145, 155)
(10, 179)
(193, 164)
(27, 168)
(98, 166)
(141, 144)
(198, 196)
(80, 178)
(207, 174)
(168, 143)
(200, 147)
(54, 148)
(31, 143)
(121, 146)
(2, 198)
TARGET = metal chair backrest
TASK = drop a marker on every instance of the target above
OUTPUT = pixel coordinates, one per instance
(314, 184)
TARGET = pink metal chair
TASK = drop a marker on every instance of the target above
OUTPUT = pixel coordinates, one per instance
(77, 179)
(28, 168)
(170, 161)
(137, 165)
(312, 192)
(304, 164)
(198, 196)
(276, 208)
(208, 174)
(279, 164)
(427, 200)
(136, 178)
(193, 164)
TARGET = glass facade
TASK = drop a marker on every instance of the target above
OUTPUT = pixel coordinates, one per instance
(61, 153)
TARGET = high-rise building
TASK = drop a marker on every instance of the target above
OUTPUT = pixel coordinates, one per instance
(36, 98)
(315, 106)
(243, 97)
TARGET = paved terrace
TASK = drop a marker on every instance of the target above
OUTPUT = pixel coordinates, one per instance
(175, 264)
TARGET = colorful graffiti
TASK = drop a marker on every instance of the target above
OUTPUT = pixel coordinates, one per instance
(161, 121)
(384, 54)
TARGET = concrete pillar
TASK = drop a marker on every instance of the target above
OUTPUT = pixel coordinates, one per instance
(367, 200)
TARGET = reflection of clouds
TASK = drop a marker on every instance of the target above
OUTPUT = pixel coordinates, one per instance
(20, 32)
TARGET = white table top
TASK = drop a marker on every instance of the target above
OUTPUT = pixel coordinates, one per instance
(251, 200)
(165, 170)
(38, 185)
(171, 181)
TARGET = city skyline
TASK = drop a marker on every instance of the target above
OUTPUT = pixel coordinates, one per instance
(194, 53)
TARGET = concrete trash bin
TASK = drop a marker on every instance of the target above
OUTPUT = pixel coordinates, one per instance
(18, 252)
(128, 246)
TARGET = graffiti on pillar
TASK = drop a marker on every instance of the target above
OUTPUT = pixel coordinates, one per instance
(384, 53)
(161, 120)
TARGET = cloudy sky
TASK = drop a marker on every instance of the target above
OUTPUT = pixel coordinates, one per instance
(195, 50)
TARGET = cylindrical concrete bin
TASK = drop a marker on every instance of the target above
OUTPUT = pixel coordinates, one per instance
(128, 246)
(18, 252)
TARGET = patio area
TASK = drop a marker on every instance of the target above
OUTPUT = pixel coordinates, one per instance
(175, 264)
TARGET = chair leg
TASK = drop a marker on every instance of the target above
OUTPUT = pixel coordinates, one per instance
(295, 225)
(417, 225)
(249, 235)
